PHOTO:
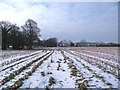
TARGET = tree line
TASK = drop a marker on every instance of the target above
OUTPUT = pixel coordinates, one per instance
(26, 36)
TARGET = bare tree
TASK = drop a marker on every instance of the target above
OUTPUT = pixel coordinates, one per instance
(5, 27)
(31, 31)
(14, 37)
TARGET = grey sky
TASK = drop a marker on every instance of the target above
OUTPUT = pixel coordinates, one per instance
(92, 21)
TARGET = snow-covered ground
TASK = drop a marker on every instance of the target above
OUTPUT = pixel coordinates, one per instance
(55, 69)
(4, 54)
(97, 77)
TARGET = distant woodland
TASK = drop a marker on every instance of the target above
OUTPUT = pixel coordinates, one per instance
(28, 35)
(24, 37)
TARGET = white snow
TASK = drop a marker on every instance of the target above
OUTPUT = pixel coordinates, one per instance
(62, 78)
(87, 74)
(56, 67)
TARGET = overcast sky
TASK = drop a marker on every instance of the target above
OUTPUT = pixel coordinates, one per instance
(92, 21)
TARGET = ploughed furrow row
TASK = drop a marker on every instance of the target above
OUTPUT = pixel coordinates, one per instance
(106, 65)
(53, 73)
(4, 75)
(14, 61)
(95, 77)
(10, 73)
(16, 82)
(77, 76)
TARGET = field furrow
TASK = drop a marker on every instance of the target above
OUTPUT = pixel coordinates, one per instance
(60, 68)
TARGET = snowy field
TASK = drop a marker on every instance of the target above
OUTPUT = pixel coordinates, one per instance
(80, 67)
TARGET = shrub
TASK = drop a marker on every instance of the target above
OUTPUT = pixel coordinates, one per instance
(52, 81)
